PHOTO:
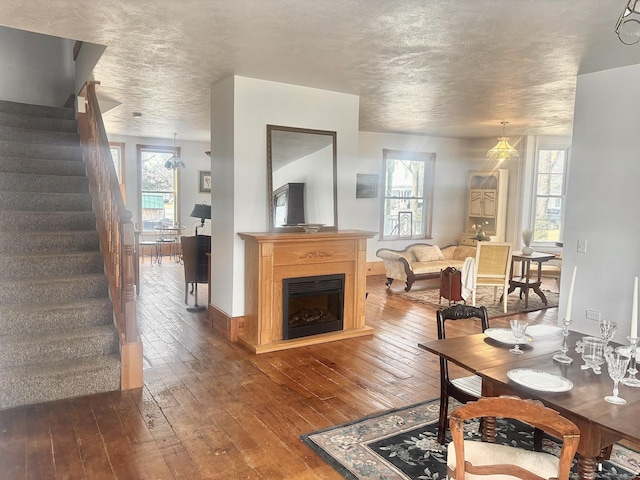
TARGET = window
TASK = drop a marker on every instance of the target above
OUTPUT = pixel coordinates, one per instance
(158, 186)
(408, 194)
(549, 188)
(117, 154)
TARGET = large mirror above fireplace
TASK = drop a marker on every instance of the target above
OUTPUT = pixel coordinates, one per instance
(302, 178)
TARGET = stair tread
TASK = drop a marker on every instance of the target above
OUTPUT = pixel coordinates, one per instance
(38, 111)
(58, 279)
(17, 134)
(50, 337)
(44, 233)
(44, 175)
(65, 253)
(50, 161)
(38, 123)
(79, 364)
(56, 305)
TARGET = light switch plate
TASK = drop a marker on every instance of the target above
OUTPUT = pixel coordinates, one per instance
(593, 315)
(582, 245)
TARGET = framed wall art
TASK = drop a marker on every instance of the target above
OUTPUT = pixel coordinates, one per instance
(366, 186)
(205, 182)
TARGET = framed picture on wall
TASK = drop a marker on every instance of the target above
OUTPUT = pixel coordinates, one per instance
(366, 186)
(205, 181)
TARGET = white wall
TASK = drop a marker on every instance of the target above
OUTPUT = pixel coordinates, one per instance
(85, 62)
(450, 189)
(192, 153)
(224, 266)
(603, 198)
(257, 103)
(47, 78)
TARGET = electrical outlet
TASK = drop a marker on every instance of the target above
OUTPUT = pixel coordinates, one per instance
(593, 315)
(582, 245)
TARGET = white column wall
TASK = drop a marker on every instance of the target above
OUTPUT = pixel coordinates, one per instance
(257, 103)
(602, 200)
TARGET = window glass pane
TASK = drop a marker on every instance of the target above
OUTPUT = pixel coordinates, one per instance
(550, 184)
(117, 162)
(555, 184)
(155, 176)
(405, 178)
(403, 217)
(548, 219)
(551, 161)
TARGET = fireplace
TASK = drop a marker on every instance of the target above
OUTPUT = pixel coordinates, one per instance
(312, 305)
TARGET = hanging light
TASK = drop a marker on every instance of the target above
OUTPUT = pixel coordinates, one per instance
(502, 151)
(175, 161)
(628, 25)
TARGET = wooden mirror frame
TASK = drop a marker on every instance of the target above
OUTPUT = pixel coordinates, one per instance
(333, 135)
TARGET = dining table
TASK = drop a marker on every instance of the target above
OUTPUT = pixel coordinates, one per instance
(601, 423)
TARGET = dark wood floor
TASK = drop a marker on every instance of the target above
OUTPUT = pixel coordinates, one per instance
(209, 409)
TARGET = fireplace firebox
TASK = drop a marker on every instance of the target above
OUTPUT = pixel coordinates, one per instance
(312, 305)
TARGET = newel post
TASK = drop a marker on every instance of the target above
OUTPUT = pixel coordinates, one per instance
(128, 287)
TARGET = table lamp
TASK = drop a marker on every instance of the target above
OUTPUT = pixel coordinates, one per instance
(201, 211)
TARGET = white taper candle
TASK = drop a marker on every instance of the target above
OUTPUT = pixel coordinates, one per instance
(634, 310)
(567, 314)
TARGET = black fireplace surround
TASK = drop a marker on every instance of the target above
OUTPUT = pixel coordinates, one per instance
(312, 305)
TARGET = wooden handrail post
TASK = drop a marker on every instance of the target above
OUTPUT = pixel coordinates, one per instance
(128, 296)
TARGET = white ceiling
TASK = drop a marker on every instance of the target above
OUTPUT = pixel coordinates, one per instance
(453, 68)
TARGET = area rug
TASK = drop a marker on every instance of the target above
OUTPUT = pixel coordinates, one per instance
(484, 297)
(402, 444)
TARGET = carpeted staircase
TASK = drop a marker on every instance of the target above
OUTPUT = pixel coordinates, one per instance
(57, 338)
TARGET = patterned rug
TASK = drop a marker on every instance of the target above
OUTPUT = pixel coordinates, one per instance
(402, 444)
(485, 297)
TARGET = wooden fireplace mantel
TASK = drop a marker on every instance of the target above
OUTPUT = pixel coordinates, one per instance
(272, 257)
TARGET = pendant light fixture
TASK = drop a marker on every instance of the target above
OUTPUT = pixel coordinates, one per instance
(175, 161)
(628, 25)
(502, 151)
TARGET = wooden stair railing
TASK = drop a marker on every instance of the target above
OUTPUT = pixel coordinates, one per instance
(116, 231)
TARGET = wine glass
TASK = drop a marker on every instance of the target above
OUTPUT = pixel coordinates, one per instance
(617, 366)
(592, 353)
(562, 357)
(518, 329)
(607, 330)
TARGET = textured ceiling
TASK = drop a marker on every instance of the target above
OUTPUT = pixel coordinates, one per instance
(440, 68)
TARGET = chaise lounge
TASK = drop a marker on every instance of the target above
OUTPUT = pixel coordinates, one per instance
(420, 261)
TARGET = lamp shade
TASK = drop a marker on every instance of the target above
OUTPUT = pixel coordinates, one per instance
(503, 150)
(202, 211)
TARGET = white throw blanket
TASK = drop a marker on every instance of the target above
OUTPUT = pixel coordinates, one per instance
(468, 277)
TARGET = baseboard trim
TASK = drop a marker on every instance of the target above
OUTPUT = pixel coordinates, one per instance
(229, 327)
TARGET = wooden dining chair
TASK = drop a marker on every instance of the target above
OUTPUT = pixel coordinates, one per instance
(473, 459)
(464, 389)
(493, 260)
(196, 265)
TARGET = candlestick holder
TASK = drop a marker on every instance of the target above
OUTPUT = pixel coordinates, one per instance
(562, 357)
(631, 380)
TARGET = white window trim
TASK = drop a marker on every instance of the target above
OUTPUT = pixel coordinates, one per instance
(430, 166)
(530, 223)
